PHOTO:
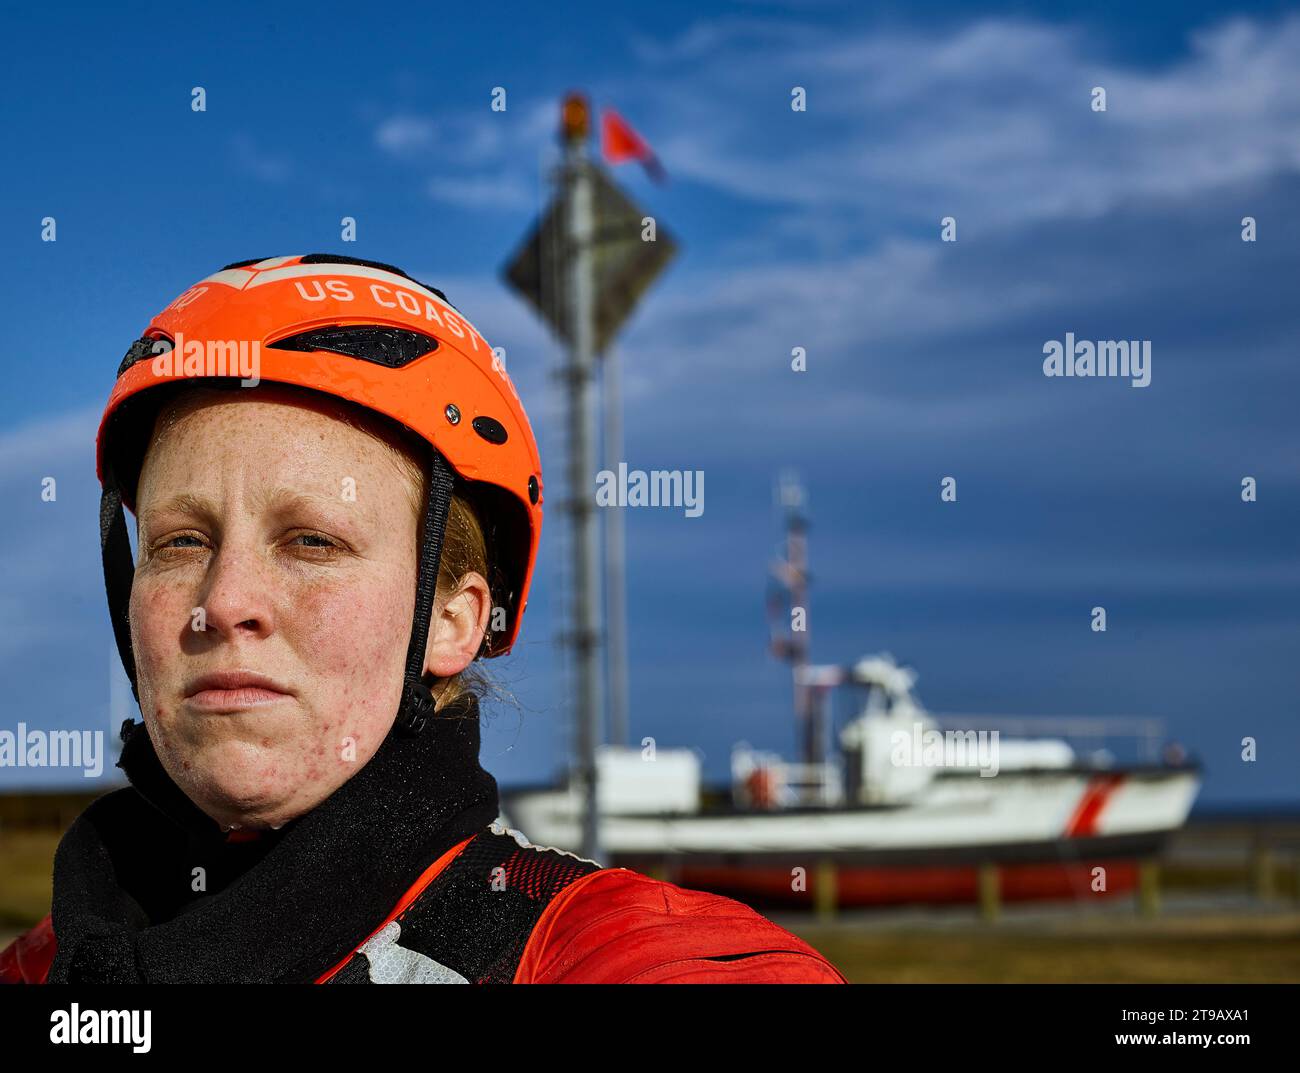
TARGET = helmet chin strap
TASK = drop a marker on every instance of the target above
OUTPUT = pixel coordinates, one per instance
(119, 572)
(417, 700)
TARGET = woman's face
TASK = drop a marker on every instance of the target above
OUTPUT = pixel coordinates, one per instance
(272, 603)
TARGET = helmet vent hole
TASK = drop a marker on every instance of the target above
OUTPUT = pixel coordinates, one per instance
(147, 347)
(392, 347)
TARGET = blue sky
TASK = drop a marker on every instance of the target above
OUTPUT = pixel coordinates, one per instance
(817, 229)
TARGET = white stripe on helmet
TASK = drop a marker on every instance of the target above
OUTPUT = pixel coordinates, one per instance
(275, 275)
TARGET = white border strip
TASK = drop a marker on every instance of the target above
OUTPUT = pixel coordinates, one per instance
(275, 275)
(231, 277)
(243, 279)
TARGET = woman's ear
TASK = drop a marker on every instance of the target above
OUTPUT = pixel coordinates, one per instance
(457, 627)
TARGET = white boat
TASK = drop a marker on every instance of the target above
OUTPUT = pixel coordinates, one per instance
(908, 806)
(911, 807)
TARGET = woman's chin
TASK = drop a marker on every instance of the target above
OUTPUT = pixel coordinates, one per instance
(246, 784)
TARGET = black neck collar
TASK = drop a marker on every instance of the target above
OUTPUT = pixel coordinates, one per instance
(284, 907)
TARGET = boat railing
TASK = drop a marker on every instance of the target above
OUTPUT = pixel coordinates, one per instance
(765, 780)
(1089, 735)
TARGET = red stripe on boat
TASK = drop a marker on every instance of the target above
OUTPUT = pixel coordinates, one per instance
(1088, 811)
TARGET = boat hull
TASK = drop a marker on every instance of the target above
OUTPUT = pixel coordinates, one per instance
(1047, 832)
(864, 887)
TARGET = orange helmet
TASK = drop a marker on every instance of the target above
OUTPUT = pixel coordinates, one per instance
(367, 333)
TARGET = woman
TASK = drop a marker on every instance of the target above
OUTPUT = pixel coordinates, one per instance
(299, 438)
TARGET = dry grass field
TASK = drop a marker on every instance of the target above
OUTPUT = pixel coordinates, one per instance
(1203, 947)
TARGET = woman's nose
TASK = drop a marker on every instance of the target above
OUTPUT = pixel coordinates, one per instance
(237, 594)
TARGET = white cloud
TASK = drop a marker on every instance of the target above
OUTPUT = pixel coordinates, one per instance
(50, 550)
(403, 134)
(260, 163)
(991, 121)
(502, 192)
(484, 160)
(55, 440)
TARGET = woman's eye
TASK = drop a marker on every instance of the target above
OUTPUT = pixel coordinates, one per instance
(314, 540)
(175, 542)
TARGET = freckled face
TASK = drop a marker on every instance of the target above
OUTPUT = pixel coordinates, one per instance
(289, 536)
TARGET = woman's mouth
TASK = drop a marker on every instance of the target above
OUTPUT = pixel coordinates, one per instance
(233, 691)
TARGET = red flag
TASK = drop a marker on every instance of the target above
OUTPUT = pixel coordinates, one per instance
(620, 142)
